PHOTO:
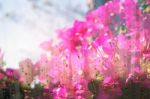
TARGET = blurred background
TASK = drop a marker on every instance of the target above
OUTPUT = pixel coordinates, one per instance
(24, 24)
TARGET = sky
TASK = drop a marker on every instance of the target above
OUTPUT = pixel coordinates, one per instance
(24, 24)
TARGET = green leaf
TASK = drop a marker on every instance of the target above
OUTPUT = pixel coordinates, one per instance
(93, 86)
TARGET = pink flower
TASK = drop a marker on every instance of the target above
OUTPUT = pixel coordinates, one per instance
(148, 1)
(146, 54)
(108, 81)
(10, 72)
(60, 92)
(110, 43)
(13, 73)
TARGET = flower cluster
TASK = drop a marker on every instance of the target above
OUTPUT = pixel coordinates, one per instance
(112, 44)
(96, 57)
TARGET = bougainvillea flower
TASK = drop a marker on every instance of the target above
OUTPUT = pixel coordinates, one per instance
(110, 46)
(10, 72)
(60, 93)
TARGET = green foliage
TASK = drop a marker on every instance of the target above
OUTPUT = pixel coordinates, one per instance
(145, 6)
(135, 91)
(93, 87)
